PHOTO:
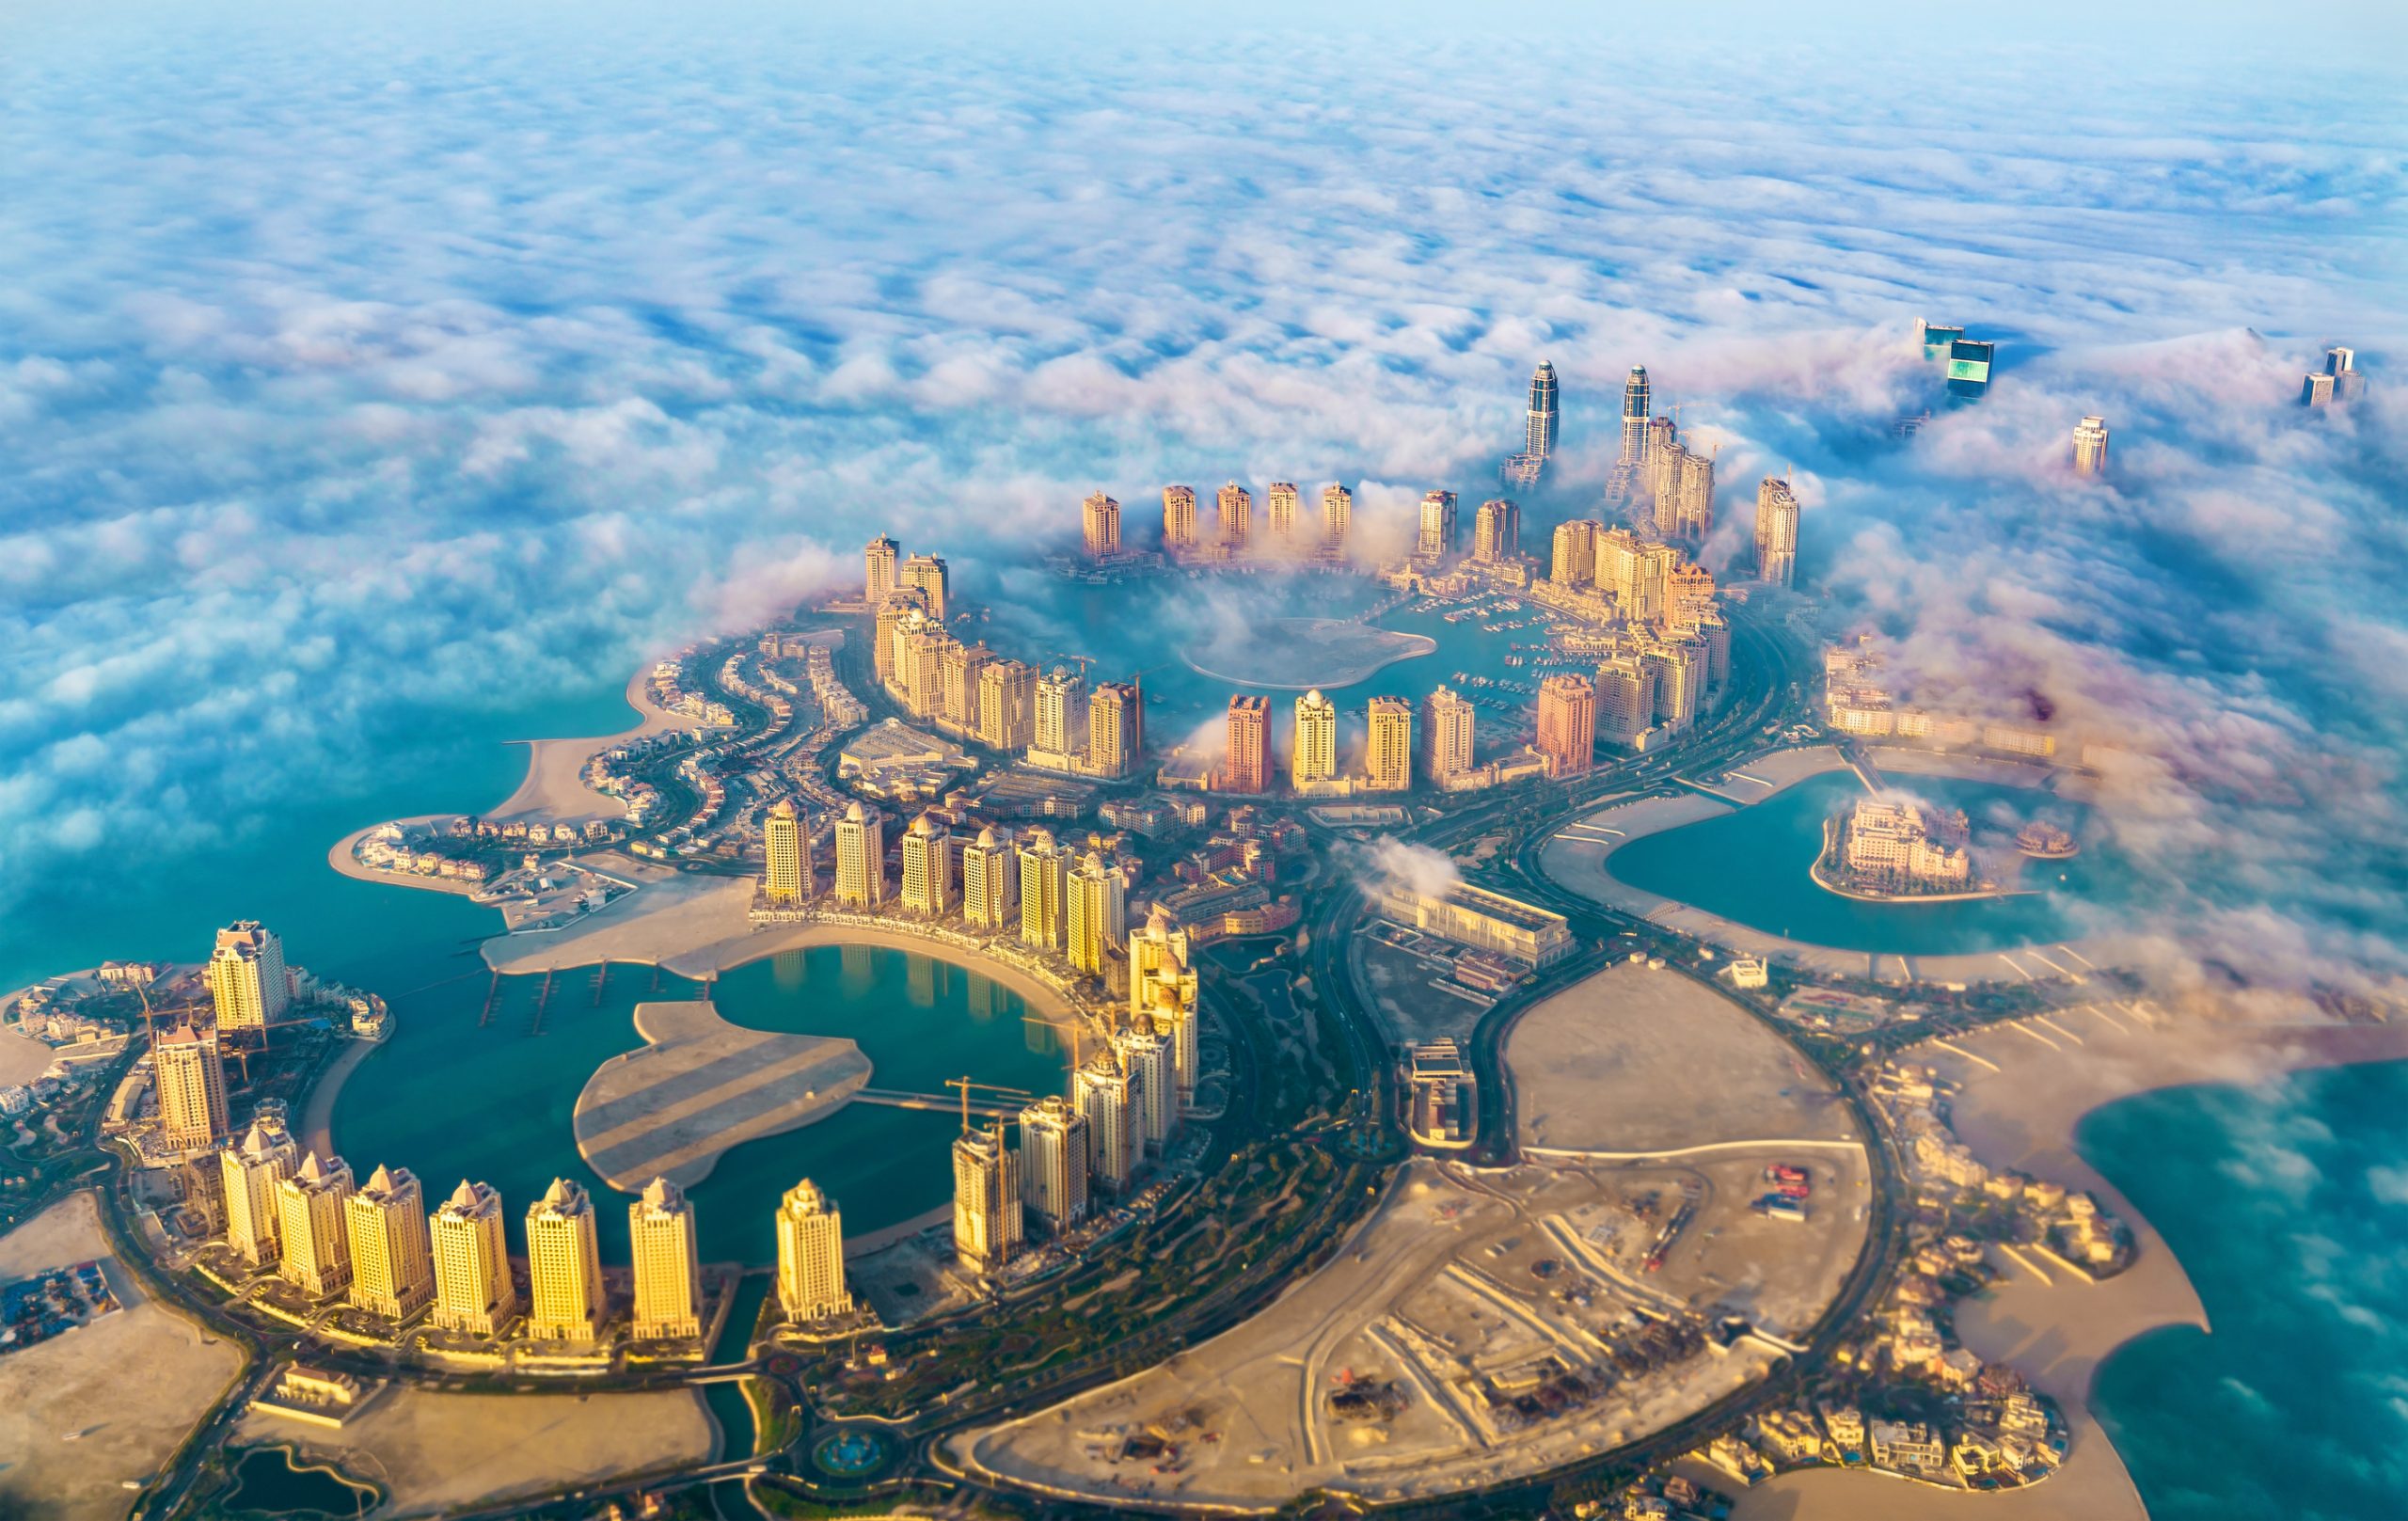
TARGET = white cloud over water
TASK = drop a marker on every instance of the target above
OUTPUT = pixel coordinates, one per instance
(351, 372)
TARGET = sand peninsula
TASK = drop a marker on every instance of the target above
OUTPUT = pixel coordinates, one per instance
(1302, 653)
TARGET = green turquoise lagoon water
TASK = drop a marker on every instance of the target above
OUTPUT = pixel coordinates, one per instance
(2288, 1206)
(1751, 866)
(457, 1092)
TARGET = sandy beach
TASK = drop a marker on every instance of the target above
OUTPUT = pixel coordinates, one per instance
(555, 789)
(22, 1058)
(2026, 1090)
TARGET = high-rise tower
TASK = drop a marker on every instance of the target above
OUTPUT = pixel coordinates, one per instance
(1236, 506)
(1053, 1150)
(985, 1200)
(2090, 447)
(392, 1259)
(312, 1234)
(1776, 531)
(1634, 416)
(929, 576)
(566, 1299)
(1314, 757)
(1044, 890)
(1387, 756)
(1178, 518)
(988, 899)
(1279, 510)
(860, 857)
(1336, 516)
(247, 982)
(250, 1171)
(787, 846)
(879, 563)
(474, 1290)
(1099, 516)
(1436, 540)
(927, 868)
(811, 1256)
(1449, 725)
(1100, 1091)
(1496, 531)
(1567, 726)
(1115, 728)
(668, 1266)
(1539, 429)
(189, 1077)
(1247, 768)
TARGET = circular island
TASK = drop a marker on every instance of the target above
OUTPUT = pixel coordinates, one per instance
(1300, 654)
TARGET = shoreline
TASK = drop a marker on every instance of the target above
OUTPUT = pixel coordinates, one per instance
(2027, 1087)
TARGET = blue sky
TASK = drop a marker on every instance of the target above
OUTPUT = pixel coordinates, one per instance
(353, 366)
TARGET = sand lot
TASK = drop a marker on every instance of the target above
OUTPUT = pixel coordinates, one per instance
(22, 1058)
(133, 1382)
(1465, 1296)
(438, 1451)
(1637, 1061)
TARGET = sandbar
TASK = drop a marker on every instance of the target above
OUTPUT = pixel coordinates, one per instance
(438, 1451)
(133, 1383)
(699, 1086)
(555, 790)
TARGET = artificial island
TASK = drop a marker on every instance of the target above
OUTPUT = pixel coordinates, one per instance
(1043, 1094)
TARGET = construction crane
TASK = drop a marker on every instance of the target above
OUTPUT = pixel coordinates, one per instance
(966, 1083)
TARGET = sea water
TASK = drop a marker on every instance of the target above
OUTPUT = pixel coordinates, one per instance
(2288, 1206)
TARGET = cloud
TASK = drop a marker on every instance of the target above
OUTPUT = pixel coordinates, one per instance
(420, 374)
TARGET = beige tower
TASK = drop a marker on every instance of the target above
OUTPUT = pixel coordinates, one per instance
(928, 576)
(1061, 713)
(860, 857)
(1436, 540)
(1336, 516)
(312, 1236)
(1099, 1092)
(1279, 510)
(564, 1299)
(474, 1290)
(1496, 531)
(1448, 726)
(880, 560)
(1246, 766)
(1007, 705)
(1100, 517)
(251, 1169)
(1054, 1162)
(1626, 687)
(1116, 726)
(1388, 757)
(1236, 506)
(1567, 726)
(1163, 993)
(787, 844)
(811, 1256)
(1096, 919)
(927, 868)
(1776, 531)
(1044, 890)
(1314, 756)
(1153, 1085)
(988, 899)
(1171, 1008)
(668, 1266)
(190, 1080)
(247, 981)
(986, 1201)
(1178, 518)
(1575, 559)
(392, 1259)
(2090, 447)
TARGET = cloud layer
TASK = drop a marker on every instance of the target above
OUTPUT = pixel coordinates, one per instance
(352, 374)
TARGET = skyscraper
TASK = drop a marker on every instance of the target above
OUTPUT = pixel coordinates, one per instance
(1162, 991)
(988, 898)
(250, 1171)
(1436, 540)
(189, 1078)
(668, 1266)
(1247, 768)
(1062, 713)
(1279, 510)
(786, 846)
(393, 1257)
(1044, 890)
(565, 1300)
(1634, 415)
(1969, 368)
(1116, 726)
(1496, 531)
(1100, 1091)
(2341, 364)
(811, 1256)
(1388, 755)
(928, 576)
(892, 610)
(860, 857)
(879, 560)
(1054, 1148)
(1693, 514)
(247, 982)
(1625, 690)
(1178, 518)
(474, 1290)
(1314, 755)
(1007, 705)
(1575, 560)
(1100, 515)
(1567, 724)
(1098, 916)
(1776, 531)
(986, 1201)
(1236, 507)
(1449, 724)
(1153, 1086)
(1539, 426)
(2090, 447)
(1337, 516)
(927, 868)
(313, 1238)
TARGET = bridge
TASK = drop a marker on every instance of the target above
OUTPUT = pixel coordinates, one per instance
(894, 1098)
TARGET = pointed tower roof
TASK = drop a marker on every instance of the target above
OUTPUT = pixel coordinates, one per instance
(464, 1196)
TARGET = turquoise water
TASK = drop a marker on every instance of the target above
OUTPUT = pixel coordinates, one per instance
(451, 1097)
(2288, 1206)
(1750, 865)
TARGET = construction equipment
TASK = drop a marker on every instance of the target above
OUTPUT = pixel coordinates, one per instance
(966, 1083)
